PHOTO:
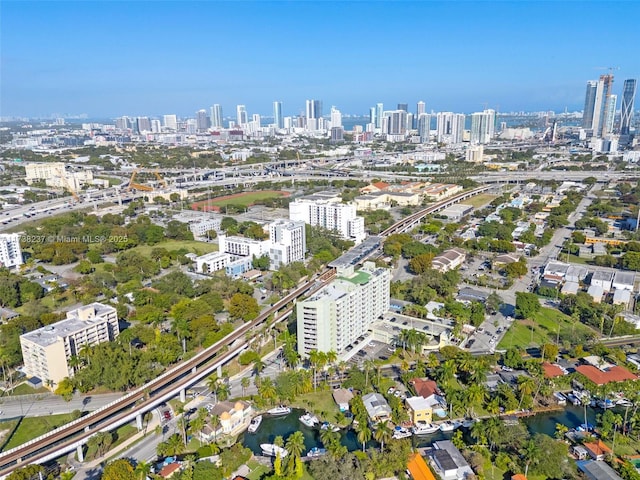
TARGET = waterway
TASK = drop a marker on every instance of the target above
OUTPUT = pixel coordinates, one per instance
(284, 426)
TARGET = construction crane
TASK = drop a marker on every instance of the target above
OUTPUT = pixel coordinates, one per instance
(133, 185)
(70, 189)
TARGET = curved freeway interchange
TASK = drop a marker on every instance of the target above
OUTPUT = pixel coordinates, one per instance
(66, 438)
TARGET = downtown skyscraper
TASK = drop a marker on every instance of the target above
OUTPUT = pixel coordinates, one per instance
(598, 105)
(216, 116)
(628, 101)
(450, 127)
(483, 126)
(241, 115)
(313, 114)
(278, 119)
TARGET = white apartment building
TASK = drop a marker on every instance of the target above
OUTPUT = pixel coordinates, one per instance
(339, 313)
(288, 242)
(200, 228)
(330, 214)
(46, 351)
(233, 265)
(10, 251)
(56, 176)
(242, 246)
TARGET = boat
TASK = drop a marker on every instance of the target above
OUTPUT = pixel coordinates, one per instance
(623, 402)
(316, 452)
(329, 426)
(560, 398)
(309, 420)
(271, 450)
(279, 410)
(573, 399)
(606, 403)
(401, 432)
(424, 428)
(447, 427)
(255, 424)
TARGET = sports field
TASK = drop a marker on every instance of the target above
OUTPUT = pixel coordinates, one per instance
(244, 200)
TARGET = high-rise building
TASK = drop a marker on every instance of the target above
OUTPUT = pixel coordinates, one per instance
(202, 120)
(336, 117)
(170, 122)
(610, 114)
(10, 252)
(278, 120)
(241, 115)
(372, 115)
(156, 126)
(313, 114)
(46, 351)
(403, 106)
(123, 123)
(143, 124)
(424, 127)
(482, 126)
(379, 115)
(336, 315)
(450, 127)
(597, 105)
(216, 116)
(589, 104)
(397, 122)
(288, 243)
(421, 108)
(327, 211)
(628, 101)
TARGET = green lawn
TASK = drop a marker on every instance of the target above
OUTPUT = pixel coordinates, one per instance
(199, 248)
(542, 328)
(481, 200)
(320, 403)
(32, 427)
(257, 470)
(6, 429)
(24, 389)
(123, 433)
(246, 199)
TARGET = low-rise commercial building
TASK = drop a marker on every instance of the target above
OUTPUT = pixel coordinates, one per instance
(449, 259)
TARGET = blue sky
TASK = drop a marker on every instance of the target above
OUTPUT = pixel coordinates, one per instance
(154, 57)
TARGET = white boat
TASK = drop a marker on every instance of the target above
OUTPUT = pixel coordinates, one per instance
(330, 426)
(447, 427)
(624, 403)
(606, 403)
(255, 424)
(560, 398)
(573, 399)
(279, 410)
(271, 450)
(424, 428)
(309, 420)
(401, 432)
(316, 452)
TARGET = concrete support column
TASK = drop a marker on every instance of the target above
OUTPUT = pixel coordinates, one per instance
(183, 395)
(86, 429)
(139, 421)
(193, 370)
(219, 370)
(80, 453)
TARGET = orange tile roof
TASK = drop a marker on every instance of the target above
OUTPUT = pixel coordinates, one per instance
(419, 469)
(169, 470)
(518, 476)
(424, 388)
(380, 185)
(614, 374)
(598, 448)
(551, 371)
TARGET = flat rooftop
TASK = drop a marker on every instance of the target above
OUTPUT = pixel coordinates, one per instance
(50, 334)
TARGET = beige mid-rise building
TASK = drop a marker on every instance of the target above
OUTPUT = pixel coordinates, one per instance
(47, 350)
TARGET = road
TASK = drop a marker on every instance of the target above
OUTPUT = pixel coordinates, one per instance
(42, 405)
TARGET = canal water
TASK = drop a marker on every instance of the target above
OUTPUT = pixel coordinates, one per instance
(285, 425)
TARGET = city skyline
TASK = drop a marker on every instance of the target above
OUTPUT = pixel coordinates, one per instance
(169, 57)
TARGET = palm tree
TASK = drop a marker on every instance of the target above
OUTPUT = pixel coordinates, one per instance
(212, 384)
(267, 389)
(368, 367)
(492, 430)
(258, 366)
(196, 425)
(316, 359)
(328, 437)
(183, 425)
(475, 395)
(215, 424)
(244, 383)
(278, 441)
(143, 469)
(364, 435)
(294, 447)
(175, 445)
(529, 453)
(223, 391)
(561, 429)
(382, 434)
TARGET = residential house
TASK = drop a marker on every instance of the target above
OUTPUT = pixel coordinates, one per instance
(449, 259)
(599, 376)
(598, 470)
(342, 397)
(170, 470)
(504, 259)
(597, 450)
(596, 292)
(374, 187)
(570, 288)
(418, 468)
(377, 407)
(551, 370)
(602, 279)
(425, 387)
(622, 297)
(579, 452)
(468, 295)
(420, 409)
(576, 273)
(624, 280)
(448, 461)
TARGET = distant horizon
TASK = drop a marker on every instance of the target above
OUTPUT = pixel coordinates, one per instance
(137, 58)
